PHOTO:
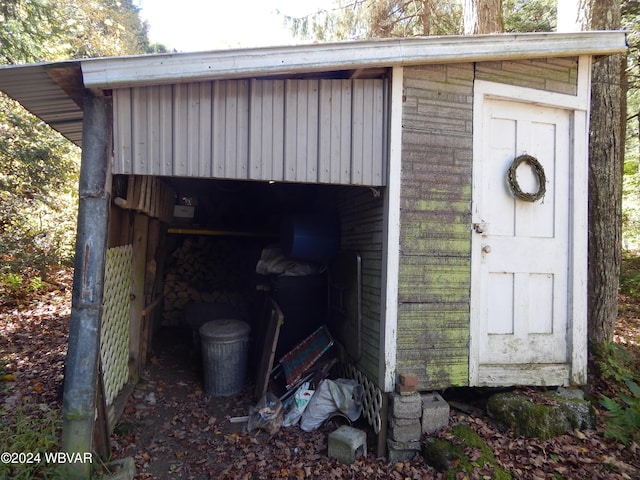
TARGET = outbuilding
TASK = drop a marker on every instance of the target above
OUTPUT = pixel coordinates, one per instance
(438, 184)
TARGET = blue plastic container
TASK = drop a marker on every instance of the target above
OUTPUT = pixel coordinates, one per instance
(310, 237)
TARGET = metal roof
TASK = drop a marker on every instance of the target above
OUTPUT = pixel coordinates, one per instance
(54, 91)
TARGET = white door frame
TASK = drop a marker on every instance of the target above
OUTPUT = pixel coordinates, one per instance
(578, 211)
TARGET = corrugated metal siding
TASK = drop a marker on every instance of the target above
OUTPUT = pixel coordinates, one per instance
(362, 226)
(435, 243)
(314, 131)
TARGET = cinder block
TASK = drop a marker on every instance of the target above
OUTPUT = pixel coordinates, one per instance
(404, 429)
(435, 412)
(404, 390)
(406, 406)
(347, 443)
(399, 451)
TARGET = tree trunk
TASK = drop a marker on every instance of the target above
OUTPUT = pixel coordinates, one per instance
(426, 17)
(482, 16)
(606, 158)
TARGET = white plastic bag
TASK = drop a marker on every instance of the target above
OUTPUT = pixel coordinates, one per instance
(296, 405)
(331, 396)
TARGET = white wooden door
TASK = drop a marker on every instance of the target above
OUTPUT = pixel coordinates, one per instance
(521, 249)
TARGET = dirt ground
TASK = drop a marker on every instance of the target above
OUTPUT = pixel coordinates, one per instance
(173, 430)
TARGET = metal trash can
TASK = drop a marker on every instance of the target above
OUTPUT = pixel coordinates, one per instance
(224, 356)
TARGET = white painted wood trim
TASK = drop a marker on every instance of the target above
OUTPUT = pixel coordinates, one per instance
(532, 95)
(118, 72)
(510, 375)
(481, 88)
(389, 330)
(578, 301)
(584, 78)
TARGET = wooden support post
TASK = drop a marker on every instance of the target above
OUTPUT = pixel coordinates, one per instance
(382, 434)
(152, 297)
(138, 269)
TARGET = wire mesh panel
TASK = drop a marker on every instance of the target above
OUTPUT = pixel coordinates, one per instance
(114, 335)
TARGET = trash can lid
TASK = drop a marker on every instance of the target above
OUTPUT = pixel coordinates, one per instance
(225, 329)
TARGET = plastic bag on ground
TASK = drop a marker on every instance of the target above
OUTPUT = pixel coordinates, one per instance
(296, 405)
(332, 396)
(266, 415)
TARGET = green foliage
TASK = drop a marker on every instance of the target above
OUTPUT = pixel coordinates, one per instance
(529, 16)
(624, 414)
(614, 362)
(35, 431)
(103, 28)
(361, 19)
(631, 179)
(38, 167)
(19, 286)
(37, 199)
(27, 30)
(10, 282)
(630, 274)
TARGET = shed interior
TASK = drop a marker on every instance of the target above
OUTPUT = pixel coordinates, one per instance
(226, 247)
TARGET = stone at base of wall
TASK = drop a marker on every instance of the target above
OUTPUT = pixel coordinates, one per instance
(399, 451)
(404, 429)
(435, 412)
(405, 406)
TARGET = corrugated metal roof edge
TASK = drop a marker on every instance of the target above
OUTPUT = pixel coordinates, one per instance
(119, 72)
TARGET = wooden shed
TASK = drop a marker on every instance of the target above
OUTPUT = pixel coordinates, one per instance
(455, 169)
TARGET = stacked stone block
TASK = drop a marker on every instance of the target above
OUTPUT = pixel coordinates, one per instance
(405, 419)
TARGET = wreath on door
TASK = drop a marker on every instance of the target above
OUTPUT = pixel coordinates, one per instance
(538, 172)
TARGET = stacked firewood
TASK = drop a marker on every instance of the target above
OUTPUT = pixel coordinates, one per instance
(206, 270)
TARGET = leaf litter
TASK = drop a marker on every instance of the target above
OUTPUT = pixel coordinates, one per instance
(173, 430)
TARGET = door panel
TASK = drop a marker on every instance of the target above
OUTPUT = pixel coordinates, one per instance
(520, 249)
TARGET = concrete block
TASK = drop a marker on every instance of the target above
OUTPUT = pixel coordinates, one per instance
(404, 390)
(347, 443)
(435, 412)
(405, 406)
(404, 429)
(400, 451)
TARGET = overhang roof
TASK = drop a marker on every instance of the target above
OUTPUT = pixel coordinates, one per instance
(54, 91)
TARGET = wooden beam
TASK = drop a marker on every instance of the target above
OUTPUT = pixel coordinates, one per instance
(138, 269)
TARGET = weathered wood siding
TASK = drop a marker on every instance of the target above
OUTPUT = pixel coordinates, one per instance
(433, 310)
(559, 75)
(435, 230)
(314, 131)
(361, 219)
